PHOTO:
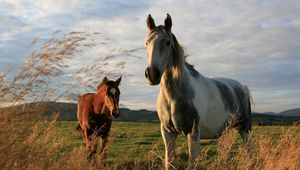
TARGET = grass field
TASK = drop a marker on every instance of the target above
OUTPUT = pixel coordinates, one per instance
(136, 145)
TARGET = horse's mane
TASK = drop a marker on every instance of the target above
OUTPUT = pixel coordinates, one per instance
(109, 83)
(100, 84)
(179, 54)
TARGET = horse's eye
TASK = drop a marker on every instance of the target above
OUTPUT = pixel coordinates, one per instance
(168, 43)
(146, 43)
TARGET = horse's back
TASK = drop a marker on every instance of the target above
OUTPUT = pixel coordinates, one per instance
(234, 94)
(229, 82)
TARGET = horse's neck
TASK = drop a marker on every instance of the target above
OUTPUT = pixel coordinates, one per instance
(174, 86)
(98, 102)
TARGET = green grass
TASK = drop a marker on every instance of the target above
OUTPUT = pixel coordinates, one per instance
(131, 144)
(135, 140)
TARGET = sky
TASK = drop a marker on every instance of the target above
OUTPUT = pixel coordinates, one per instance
(255, 42)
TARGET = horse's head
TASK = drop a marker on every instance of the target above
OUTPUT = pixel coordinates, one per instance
(160, 49)
(110, 93)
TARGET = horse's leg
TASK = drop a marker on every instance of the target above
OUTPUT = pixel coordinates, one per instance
(94, 144)
(86, 137)
(89, 143)
(103, 146)
(169, 139)
(193, 145)
(245, 134)
(244, 129)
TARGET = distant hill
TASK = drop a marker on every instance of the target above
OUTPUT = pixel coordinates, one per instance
(274, 119)
(291, 112)
(137, 115)
(68, 112)
(268, 113)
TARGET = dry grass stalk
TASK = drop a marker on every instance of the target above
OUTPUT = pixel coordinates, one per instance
(269, 152)
(24, 143)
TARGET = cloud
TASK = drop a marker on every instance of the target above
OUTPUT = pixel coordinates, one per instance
(255, 42)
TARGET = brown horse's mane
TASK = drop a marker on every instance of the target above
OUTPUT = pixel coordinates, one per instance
(100, 85)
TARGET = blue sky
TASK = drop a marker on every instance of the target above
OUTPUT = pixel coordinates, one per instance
(255, 42)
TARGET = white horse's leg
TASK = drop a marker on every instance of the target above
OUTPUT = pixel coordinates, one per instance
(169, 139)
(193, 145)
(247, 140)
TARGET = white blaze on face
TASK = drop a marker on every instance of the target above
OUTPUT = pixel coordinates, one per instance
(113, 91)
(158, 51)
(150, 48)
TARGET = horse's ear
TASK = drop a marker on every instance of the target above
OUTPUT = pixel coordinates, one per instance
(118, 81)
(105, 80)
(150, 22)
(168, 22)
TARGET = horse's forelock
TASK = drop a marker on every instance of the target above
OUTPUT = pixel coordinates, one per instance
(160, 28)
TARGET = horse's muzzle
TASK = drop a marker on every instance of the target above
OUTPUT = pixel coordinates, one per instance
(116, 114)
(153, 75)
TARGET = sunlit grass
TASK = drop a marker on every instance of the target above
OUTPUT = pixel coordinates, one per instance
(134, 144)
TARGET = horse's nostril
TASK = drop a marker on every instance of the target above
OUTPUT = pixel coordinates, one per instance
(147, 72)
(156, 72)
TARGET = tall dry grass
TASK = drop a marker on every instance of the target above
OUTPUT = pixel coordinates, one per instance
(27, 137)
(23, 145)
(267, 151)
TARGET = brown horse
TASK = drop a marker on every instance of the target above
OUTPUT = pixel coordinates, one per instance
(95, 112)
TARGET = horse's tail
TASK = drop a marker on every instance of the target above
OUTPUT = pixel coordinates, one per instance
(248, 114)
(250, 100)
(245, 129)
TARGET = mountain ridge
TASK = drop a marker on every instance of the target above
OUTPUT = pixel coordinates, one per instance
(68, 112)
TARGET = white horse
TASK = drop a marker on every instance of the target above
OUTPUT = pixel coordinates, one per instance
(188, 102)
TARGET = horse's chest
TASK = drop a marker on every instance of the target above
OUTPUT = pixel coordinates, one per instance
(100, 123)
(178, 116)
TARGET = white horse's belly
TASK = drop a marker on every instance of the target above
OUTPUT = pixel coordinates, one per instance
(213, 124)
(210, 108)
(212, 128)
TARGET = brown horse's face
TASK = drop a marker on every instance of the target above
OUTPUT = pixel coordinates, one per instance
(111, 98)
